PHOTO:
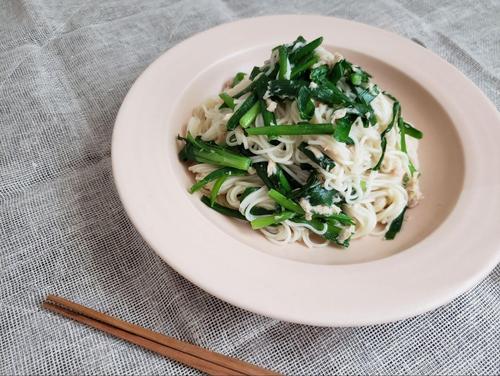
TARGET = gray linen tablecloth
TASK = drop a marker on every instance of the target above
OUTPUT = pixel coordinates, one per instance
(65, 67)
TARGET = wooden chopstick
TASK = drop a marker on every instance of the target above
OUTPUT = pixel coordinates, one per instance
(191, 355)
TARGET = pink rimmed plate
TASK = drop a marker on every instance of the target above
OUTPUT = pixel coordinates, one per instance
(448, 244)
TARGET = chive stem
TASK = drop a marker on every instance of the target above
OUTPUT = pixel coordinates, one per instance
(271, 220)
(292, 130)
(241, 111)
(284, 72)
(216, 188)
(228, 100)
(200, 151)
(250, 115)
(285, 202)
(214, 175)
(222, 209)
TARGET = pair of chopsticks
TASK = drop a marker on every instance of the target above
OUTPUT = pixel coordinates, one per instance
(186, 353)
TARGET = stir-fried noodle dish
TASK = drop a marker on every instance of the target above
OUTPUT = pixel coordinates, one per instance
(305, 148)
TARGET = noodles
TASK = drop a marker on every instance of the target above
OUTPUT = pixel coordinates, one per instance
(374, 175)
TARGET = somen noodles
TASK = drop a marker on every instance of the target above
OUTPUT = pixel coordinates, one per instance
(306, 148)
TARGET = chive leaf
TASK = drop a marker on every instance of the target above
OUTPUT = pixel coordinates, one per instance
(238, 78)
(342, 130)
(396, 225)
(271, 220)
(222, 209)
(216, 188)
(282, 180)
(258, 83)
(333, 231)
(301, 68)
(285, 88)
(330, 94)
(338, 71)
(318, 74)
(396, 112)
(285, 202)
(255, 72)
(306, 50)
(305, 104)
(214, 175)
(342, 218)
(402, 131)
(277, 181)
(323, 161)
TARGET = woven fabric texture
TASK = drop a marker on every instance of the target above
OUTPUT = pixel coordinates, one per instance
(65, 67)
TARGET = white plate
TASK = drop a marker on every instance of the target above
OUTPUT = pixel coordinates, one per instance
(450, 242)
